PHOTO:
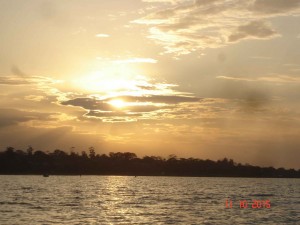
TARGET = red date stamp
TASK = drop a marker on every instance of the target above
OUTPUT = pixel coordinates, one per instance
(254, 204)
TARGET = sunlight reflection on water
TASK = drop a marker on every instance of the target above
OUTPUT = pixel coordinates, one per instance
(145, 200)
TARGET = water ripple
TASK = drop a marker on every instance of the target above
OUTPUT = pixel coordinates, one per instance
(145, 200)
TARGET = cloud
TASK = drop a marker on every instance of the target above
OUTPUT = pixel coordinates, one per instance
(89, 104)
(102, 35)
(261, 57)
(140, 107)
(253, 30)
(280, 79)
(190, 26)
(162, 1)
(96, 104)
(36, 98)
(160, 99)
(275, 6)
(100, 114)
(4, 80)
(140, 98)
(29, 80)
(33, 93)
(274, 78)
(136, 60)
(10, 117)
(234, 78)
(136, 95)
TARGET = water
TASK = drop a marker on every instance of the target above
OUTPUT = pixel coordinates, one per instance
(146, 200)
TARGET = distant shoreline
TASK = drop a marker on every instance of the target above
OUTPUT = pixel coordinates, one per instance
(135, 176)
(58, 162)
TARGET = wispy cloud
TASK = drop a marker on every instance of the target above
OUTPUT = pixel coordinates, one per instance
(4, 80)
(36, 98)
(137, 101)
(136, 107)
(253, 30)
(9, 116)
(162, 1)
(275, 6)
(274, 78)
(261, 57)
(136, 60)
(189, 26)
(235, 78)
(102, 35)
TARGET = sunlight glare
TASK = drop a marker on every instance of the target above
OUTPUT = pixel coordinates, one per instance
(118, 103)
(120, 80)
(109, 80)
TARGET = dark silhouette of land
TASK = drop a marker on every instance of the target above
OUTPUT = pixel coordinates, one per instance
(58, 162)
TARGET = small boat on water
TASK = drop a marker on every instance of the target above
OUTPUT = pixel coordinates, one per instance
(45, 175)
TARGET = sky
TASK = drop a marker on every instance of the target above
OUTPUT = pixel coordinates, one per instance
(196, 78)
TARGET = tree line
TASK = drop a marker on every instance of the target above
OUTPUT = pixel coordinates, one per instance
(58, 162)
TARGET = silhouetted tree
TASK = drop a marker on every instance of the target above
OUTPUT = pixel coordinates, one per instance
(92, 152)
(59, 153)
(29, 150)
(84, 155)
(10, 150)
(127, 163)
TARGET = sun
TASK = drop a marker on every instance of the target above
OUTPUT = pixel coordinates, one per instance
(118, 103)
(109, 80)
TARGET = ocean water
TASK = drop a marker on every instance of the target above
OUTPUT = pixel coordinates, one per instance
(147, 200)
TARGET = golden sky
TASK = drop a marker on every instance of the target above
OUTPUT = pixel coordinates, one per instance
(195, 78)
